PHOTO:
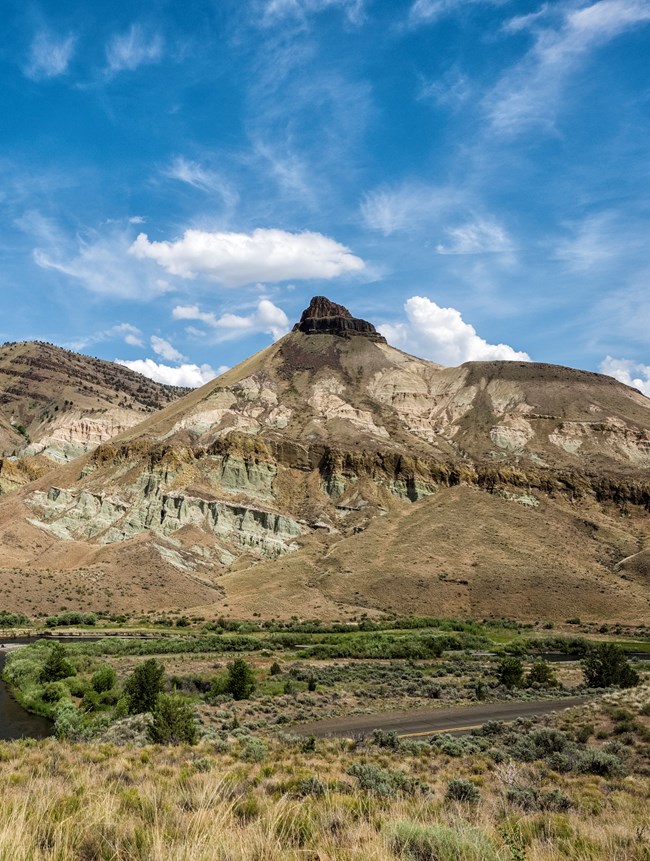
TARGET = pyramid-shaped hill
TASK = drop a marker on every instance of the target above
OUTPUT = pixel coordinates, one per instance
(330, 436)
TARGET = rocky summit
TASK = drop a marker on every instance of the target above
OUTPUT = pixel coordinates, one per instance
(332, 473)
(324, 317)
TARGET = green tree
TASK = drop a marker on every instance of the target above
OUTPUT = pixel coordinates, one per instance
(103, 679)
(543, 674)
(241, 679)
(143, 686)
(57, 666)
(607, 665)
(173, 721)
(510, 672)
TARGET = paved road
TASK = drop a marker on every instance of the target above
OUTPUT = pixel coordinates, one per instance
(423, 722)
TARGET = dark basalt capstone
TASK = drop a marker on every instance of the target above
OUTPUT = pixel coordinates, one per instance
(327, 318)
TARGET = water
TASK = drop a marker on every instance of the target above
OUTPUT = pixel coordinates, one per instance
(15, 722)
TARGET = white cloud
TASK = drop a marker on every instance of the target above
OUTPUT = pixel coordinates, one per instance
(478, 237)
(601, 239)
(408, 206)
(529, 96)
(49, 56)
(127, 51)
(165, 350)
(234, 259)
(441, 334)
(200, 177)
(626, 371)
(101, 263)
(430, 11)
(125, 331)
(275, 10)
(191, 376)
(266, 318)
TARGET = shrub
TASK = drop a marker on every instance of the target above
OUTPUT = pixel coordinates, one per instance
(241, 679)
(67, 721)
(57, 666)
(386, 738)
(385, 783)
(143, 687)
(606, 665)
(541, 673)
(53, 692)
(442, 843)
(173, 721)
(103, 679)
(311, 786)
(276, 669)
(510, 672)
(254, 750)
(462, 790)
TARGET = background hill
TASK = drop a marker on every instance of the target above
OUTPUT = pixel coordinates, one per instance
(332, 472)
(58, 404)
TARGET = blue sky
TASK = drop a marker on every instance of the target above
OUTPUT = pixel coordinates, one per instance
(178, 179)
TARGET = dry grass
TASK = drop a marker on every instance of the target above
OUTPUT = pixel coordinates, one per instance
(219, 802)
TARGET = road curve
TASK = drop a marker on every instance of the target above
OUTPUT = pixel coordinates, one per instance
(423, 722)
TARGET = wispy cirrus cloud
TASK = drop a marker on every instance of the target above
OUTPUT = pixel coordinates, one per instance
(267, 318)
(276, 10)
(136, 47)
(100, 262)
(565, 35)
(482, 236)
(49, 55)
(441, 334)
(203, 178)
(430, 11)
(234, 259)
(126, 332)
(410, 206)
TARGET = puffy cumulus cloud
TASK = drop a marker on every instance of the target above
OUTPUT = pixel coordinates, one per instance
(441, 334)
(234, 259)
(267, 318)
(566, 34)
(127, 51)
(165, 350)
(49, 56)
(626, 371)
(188, 375)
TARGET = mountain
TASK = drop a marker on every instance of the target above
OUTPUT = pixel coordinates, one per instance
(59, 404)
(331, 473)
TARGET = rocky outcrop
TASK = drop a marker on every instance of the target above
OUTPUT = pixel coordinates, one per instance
(324, 317)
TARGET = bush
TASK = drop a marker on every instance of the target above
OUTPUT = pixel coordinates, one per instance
(276, 669)
(541, 674)
(606, 665)
(462, 790)
(57, 666)
(254, 750)
(103, 679)
(442, 843)
(143, 687)
(311, 786)
(67, 721)
(241, 679)
(385, 783)
(53, 692)
(173, 721)
(510, 672)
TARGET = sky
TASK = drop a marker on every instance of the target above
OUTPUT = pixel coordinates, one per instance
(473, 176)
